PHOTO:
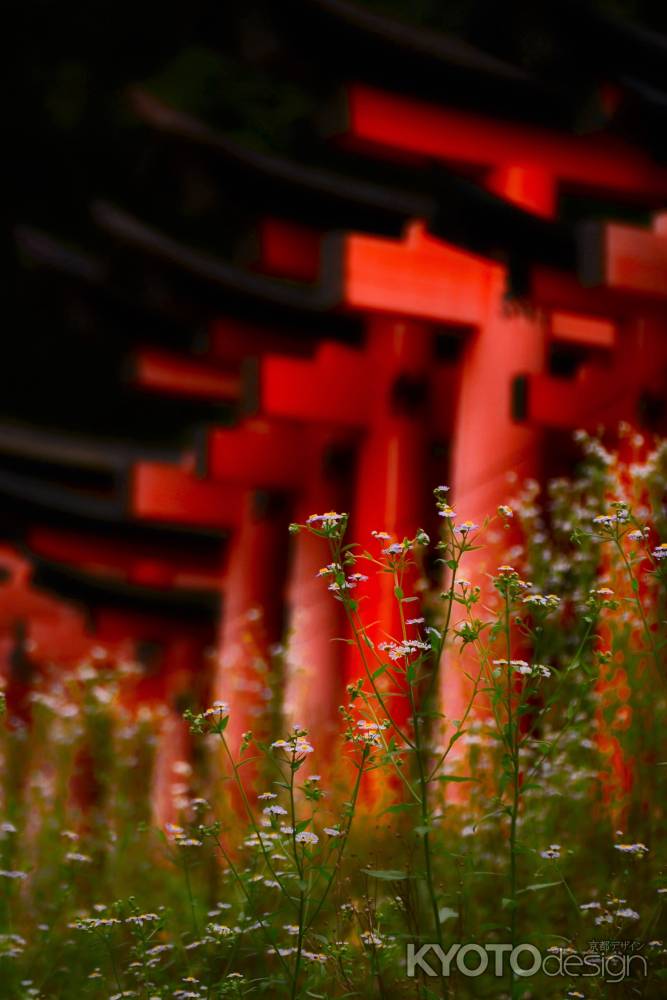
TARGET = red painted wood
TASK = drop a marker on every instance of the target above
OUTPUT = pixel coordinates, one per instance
(332, 388)
(252, 618)
(289, 250)
(139, 563)
(420, 277)
(389, 492)
(601, 161)
(259, 453)
(594, 332)
(488, 446)
(314, 678)
(635, 260)
(174, 374)
(531, 188)
(165, 493)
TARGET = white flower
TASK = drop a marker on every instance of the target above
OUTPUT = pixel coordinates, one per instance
(631, 848)
(332, 831)
(274, 811)
(466, 527)
(220, 708)
(306, 837)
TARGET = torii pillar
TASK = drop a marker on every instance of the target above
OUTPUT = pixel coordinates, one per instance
(488, 443)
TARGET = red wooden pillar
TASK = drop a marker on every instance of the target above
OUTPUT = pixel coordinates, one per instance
(252, 616)
(488, 444)
(391, 463)
(314, 679)
(286, 456)
(181, 666)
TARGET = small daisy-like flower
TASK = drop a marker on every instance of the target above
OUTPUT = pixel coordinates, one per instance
(331, 831)
(291, 929)
(505, 570)
(627, 914)
(552, 853)
(466, 527)
(638, 535)
(220, 930)
(306, 837)
(605, 520)
(541, 600)
(314, 777)
(594, 905)
(330, 569)
(287, 830)
(265, 796)
(519, 666)
(142, 918)
(13, 874)
(329, 518)
(383, 536)
(372, 939)
(82, 859)
(637, 849)
(414, 621)
(274, 811)
(660, 552)
(446, 511)
(218, 708)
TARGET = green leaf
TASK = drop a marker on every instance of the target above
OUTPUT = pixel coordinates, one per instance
(388, 875)
(399, 807)
(398, 593)
(455, 777)
(540, 885)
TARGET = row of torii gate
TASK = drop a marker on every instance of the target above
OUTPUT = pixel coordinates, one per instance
(353, 425)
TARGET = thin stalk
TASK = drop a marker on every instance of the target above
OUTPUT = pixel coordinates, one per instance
(352, 810)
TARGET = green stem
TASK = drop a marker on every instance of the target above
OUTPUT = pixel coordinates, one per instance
(299, 867)
(634, 583)
(512, 732)
(336, 868)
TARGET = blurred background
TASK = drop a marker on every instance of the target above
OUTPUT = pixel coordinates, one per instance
(265, 260)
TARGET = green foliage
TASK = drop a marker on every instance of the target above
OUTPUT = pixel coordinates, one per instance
(535, 814)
